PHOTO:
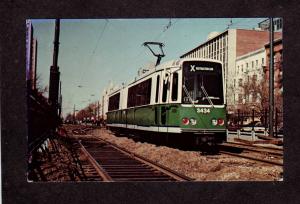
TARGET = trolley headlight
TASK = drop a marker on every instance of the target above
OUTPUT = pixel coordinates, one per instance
(214, 122)
(185, 121)
(193, 121)
(220, 122)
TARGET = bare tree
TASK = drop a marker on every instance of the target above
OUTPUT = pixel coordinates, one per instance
(258, 91)
(39, 88)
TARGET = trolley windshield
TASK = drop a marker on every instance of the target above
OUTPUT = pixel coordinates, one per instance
(202, 83)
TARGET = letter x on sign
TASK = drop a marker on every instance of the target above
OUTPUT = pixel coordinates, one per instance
(192, 68)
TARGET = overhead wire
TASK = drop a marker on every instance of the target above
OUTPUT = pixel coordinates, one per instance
(94, 51)
(165, 28)
(92, 55)
(245, 22)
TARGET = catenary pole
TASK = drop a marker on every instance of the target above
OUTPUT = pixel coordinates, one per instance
(271, 81)
(54, 71)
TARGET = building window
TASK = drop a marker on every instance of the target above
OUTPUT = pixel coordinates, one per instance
(256, 63)
(252, 64)
(240, 82)
(234, 83)
(254, 97)
(242, 69)
(262, 61)
(254, 78)
(240, 98)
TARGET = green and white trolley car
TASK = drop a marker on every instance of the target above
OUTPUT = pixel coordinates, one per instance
(182, 99)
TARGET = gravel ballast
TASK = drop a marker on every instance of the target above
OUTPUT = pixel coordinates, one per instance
(197, 166)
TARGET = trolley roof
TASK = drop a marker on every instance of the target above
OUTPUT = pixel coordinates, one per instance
(164, 66)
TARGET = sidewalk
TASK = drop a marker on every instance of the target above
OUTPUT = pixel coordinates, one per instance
(255, 139)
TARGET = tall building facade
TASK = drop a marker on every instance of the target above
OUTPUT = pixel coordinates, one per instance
(226, 47)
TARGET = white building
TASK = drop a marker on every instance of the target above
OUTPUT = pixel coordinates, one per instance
(249, 68)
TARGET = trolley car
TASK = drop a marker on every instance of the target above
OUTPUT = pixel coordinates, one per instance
(182, 98)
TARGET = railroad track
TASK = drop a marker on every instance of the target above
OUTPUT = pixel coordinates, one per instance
(113, 163)
(116, 164)
(276, 152)
(230, 148)
(255, 145)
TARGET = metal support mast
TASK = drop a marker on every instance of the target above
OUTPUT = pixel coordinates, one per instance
(60, 101)
(271, 81)
(103, 107)
(54, 72)
(74, 115)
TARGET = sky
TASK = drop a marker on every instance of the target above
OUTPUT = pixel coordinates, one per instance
(96, 52)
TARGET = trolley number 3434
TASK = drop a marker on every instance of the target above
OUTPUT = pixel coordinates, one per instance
(203, 110)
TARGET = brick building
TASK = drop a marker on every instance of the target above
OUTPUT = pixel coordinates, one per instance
(227, 46)
(278, 61)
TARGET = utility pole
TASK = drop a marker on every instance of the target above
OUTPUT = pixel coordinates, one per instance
(54, 72)
(98, 118)
(103, 106)
(60, 101)
(271, 81)
(74, 114)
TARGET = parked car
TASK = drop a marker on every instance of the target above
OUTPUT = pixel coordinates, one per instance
(258, 127)
(232, 127)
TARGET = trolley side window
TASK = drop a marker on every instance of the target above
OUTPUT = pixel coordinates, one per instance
(175, 87)
(157, 88)
(113, 102)
(139, 94)
(165, 88)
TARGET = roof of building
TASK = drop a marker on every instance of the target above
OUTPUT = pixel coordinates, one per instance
(221, 33)
(276, 41)
(249, 54)
(210, 39)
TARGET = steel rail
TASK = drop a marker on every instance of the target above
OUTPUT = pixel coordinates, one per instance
(253, 158)
(252, 148)
(153, 164)
(271, 148)
(95, 164)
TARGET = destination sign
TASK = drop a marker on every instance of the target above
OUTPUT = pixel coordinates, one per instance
(193, 68)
